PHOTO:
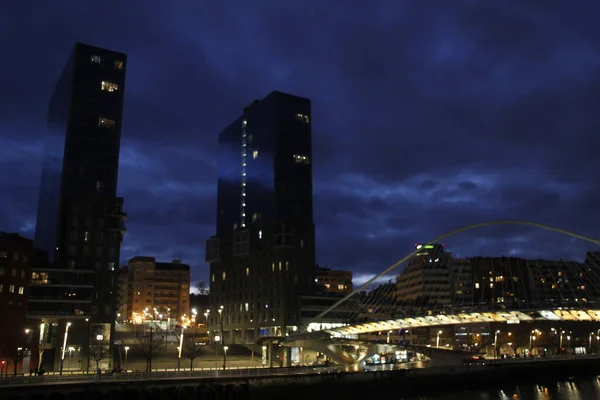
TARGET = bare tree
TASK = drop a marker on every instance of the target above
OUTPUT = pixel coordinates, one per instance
(41, 348)
(99, 351)
(17, 356)
(191, 350)
(150, 345)
(202, 287)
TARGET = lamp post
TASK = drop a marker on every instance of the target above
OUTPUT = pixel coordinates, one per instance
(180, 347)
(126, 351)
(591, 334)
(64, 348)
(225, 348)
(562, 333)
(496, 344)
(222, 337)
(437, 340)
(217, 339)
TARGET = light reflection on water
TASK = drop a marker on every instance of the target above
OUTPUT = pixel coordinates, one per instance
(576, 389)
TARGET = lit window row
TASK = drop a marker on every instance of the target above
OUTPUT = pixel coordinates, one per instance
(104, 122)
(300, 159)
(11, 289)
(243, 189)
(302, 117)
(109, 86)
(118, 64)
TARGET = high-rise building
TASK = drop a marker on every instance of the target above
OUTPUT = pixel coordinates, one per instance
(425, 282)
(156, 290)
(263, 255)
(80, 220)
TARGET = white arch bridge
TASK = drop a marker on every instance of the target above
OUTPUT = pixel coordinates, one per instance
(322, 328)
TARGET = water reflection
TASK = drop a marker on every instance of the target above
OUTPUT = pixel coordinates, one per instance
(576, 389)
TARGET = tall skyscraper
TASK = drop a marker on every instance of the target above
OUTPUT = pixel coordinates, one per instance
(263, 256)
(80, 220)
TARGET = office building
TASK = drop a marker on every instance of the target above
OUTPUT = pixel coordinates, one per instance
(17, 257)
(333, 282)
(80, 219)
(156, 290)
(262, 257)
(425, 282)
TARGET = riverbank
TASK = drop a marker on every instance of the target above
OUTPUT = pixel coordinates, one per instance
(324, 383)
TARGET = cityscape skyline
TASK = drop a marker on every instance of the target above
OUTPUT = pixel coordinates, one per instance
(367, 214)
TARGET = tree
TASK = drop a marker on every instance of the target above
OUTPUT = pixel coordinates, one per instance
(201, 287)
(99, 351)
(191, 350)
(41, 348)
(150, 345)
(17, 356)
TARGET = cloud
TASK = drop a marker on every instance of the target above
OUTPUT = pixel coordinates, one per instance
(426, 117)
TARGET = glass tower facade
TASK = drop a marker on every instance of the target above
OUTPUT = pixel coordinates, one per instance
(80, 219)
(262, 257)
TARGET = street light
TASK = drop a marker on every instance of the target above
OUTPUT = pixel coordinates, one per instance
(388, 336)
(217, 339)
(496, 343)
(64, 348)
(180, 346)
(225, 348)
(222, 335)
(437, 340)
(126, 351)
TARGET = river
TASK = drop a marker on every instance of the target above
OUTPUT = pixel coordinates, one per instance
(576, 389)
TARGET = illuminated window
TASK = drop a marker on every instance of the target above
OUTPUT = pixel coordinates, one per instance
(109, 86)
(273, 266)
(247, 271)
(96, 59)
(255, 154)
(327, 285)
(224, 275)
(86, 236)
(11, 288)
(303, 118)
(476, 285)
(118, 64)
(340, 287)
(260, 234)
(106, 122)
(212, 278)
(21, 290)
(300, 159)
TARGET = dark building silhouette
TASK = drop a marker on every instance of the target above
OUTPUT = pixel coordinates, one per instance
(80, 220)
(17, 258)
(262, 257)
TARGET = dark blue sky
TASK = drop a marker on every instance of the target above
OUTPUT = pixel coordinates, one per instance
(427, 115)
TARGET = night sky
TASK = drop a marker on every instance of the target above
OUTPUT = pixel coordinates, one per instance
(427, 115)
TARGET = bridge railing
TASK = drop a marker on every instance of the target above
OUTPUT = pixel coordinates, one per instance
(152, 376)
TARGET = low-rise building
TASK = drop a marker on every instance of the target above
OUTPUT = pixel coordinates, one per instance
(333, 281)
(156, 290)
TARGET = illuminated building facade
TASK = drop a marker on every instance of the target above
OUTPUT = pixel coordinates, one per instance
(156, 290)
(17, 257)
(425, 282)
(333, 281)
(80, 219)
(262, 257)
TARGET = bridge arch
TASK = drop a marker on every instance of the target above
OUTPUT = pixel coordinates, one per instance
(452, 233)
